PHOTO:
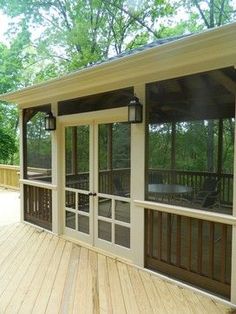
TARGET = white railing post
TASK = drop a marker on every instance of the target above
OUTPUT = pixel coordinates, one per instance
(138, 181)
(21, 165)
(55, 174)
(233, 261)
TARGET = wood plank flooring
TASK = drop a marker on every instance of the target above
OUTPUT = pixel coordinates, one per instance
(42, 273)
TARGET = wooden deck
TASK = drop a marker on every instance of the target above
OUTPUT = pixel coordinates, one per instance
(42, 273)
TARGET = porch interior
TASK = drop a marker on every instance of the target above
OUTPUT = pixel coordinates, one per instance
(42, 273)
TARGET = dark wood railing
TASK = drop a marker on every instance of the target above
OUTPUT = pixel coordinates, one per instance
(38, 206)
(78, 181)
(108, 181)
(190, 178)
(114, 181)
(195, 180)
(192, 250)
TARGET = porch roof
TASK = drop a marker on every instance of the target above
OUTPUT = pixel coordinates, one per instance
(209, 50)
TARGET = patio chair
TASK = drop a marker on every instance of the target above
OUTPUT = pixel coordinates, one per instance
(118, 187)
(208, 194)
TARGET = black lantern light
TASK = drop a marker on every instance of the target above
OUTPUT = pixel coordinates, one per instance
(50, 122)
(135, 111)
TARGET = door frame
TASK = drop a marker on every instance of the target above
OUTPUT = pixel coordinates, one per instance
(93, 119)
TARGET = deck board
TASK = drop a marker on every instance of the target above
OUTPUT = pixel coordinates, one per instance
(41, 273)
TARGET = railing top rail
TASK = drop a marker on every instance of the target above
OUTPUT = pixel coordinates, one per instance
(202, 173)
(10, 167)
(188, 212)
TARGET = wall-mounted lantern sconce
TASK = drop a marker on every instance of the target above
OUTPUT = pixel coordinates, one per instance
(50, 122)
(135, 111)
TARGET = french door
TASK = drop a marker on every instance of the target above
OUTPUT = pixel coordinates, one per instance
(97, 185)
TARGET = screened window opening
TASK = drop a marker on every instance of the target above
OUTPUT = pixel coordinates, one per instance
(114, 159)
(37, 145)
(190, 151)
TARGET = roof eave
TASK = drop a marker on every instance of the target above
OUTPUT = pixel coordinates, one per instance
(133, 68)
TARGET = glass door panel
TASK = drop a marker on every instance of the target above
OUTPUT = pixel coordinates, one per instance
(113, 203)
(97, 185)
(77, 179)
(114, 159)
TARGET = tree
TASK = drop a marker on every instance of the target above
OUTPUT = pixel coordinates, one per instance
(196, 15)
(48, 38)
(211, 13)
(12, 61)
(76, 33)
(7, 147)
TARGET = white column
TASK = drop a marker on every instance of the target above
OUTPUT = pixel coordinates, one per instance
(138, 181)
(56, 175)
(233, 267)
(21, 165)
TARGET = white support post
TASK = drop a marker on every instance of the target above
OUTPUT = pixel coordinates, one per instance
(138, 181)
(56, 215)
(21, 166)
(233, 258)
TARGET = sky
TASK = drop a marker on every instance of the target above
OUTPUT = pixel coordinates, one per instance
(3, 26)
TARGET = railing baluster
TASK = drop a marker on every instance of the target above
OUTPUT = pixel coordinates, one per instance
(189, 220)
(149, 234)
(223, 251)
(178, 241)
(159, 249)
(199, 247)
(168, 238)
(211, 249)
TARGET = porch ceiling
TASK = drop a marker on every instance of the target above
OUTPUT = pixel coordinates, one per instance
(206, 51)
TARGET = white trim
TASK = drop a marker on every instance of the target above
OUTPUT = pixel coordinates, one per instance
(100, 116)
(93, 119)
(233, 267)
(83, 237)
(38, 184)
(91, 181)
(189, 212)
(95, 184)
(21, 118)
(55, 172)
(115, 197)
(197, 53)
(233, 257)
(63, 191)
(138, 181)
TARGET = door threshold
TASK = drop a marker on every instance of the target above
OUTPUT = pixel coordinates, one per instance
(97, 250)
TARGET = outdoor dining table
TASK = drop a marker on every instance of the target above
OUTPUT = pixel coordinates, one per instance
(169, 189)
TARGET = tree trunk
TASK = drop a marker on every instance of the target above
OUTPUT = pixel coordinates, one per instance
(210, 146)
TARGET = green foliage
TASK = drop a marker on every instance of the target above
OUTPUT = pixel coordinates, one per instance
(38, 143)
(8, 134)
(77, 33)
(7, 146)
(209, 13)
(54, 37)
(191, 143)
